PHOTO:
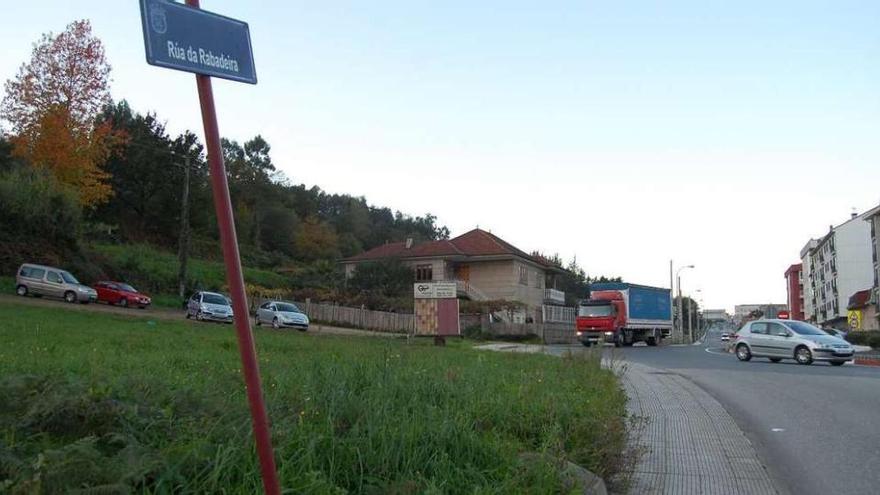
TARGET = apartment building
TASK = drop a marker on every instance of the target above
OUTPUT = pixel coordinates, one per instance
(809, 297)
(872, 216)
(794, 287)
(836, 267)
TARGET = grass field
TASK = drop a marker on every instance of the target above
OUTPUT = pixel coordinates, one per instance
(126, 404)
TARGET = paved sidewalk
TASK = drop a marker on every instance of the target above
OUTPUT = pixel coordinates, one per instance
(688, 443)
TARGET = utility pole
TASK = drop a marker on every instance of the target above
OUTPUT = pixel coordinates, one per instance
(680, 302)
(183, 242)
(680, 307)
(672, 299)
(691, 319)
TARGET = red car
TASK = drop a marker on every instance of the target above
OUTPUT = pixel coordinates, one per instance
(121, 294)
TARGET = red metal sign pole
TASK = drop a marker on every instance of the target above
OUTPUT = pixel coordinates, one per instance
(223, 206)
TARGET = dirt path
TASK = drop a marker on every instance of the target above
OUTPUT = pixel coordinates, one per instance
(166, 314)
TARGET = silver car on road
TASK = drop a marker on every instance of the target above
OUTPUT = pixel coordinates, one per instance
(790, 339)
(282, 314)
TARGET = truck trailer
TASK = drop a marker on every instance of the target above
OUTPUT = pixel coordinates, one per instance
(622, 314)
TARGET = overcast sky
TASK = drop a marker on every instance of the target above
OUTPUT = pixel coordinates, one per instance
(624, 133)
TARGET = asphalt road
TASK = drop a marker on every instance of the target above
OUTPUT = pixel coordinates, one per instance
(816, 428)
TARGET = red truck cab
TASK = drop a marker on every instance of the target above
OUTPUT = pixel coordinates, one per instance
(601, 316)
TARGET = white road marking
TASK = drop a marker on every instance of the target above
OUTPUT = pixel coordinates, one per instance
(715, 351)
(777, 430)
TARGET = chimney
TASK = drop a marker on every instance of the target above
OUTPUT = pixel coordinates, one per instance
(409, 242)
(854, 213)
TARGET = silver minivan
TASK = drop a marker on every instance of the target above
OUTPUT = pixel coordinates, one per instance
(40, 280)
(790, 339)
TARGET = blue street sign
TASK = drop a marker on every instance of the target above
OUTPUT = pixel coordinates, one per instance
(180, 37)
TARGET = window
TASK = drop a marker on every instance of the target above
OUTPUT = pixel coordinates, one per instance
(424, 273)
(265, 305)
(778, 330)
(287, 307)
(596, 310)
(70, 279)
(54, 278)
(759, 328)
(32, 272)
(802, 328)
(214, 299)
(523, 275)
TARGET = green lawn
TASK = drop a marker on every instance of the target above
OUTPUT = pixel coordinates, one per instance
(127, 404)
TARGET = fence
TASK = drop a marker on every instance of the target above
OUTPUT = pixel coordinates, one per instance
(359, 318)
(558, 314)
(557, 326)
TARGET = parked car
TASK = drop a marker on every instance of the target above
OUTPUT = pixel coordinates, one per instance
(121, 294)
(209, 306)
(281, 315)
(790, 339)
(725, 337)
(40, 280)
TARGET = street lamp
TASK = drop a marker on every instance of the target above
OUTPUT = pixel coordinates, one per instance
(680, 304)
(691, 310)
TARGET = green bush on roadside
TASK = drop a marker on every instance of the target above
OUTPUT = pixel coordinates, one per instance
(93, 400)
(870, 338)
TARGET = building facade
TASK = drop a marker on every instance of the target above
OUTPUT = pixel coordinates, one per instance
(794, 286)
(483, 266)
(838, 266)
(716, 315)
(742, 311)
(809, 296)
(872, 216)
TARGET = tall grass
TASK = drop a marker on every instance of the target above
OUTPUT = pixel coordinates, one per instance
(90, 400)
(156, 271)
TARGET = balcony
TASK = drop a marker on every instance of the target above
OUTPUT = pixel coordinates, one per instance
(553, 296)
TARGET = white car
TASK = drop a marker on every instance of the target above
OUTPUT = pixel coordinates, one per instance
(282, 315)
(725, 337)
(209, 306)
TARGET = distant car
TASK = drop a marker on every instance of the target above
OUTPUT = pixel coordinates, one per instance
(281, 315)
(725, 337)
(790, 339)
(209, 306)
(121, 294)
(40, 280)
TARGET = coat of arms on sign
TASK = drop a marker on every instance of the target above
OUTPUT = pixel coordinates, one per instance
(157, 18)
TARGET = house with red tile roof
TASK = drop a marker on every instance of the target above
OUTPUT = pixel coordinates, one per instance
(483, 266)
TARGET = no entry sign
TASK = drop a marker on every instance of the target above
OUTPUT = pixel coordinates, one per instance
(177, 36)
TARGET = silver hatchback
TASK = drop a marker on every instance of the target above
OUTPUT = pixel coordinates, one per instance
(790, 339)
(282, 314)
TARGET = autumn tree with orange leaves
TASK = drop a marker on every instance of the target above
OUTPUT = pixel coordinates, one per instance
(52, 106)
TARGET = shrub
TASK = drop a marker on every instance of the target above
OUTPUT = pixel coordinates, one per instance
(869, 338)
(34, 206)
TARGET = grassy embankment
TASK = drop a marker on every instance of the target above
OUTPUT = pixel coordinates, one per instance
(155, 271)
(124, 403)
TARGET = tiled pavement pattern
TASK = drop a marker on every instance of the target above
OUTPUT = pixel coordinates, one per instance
(689, 444)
